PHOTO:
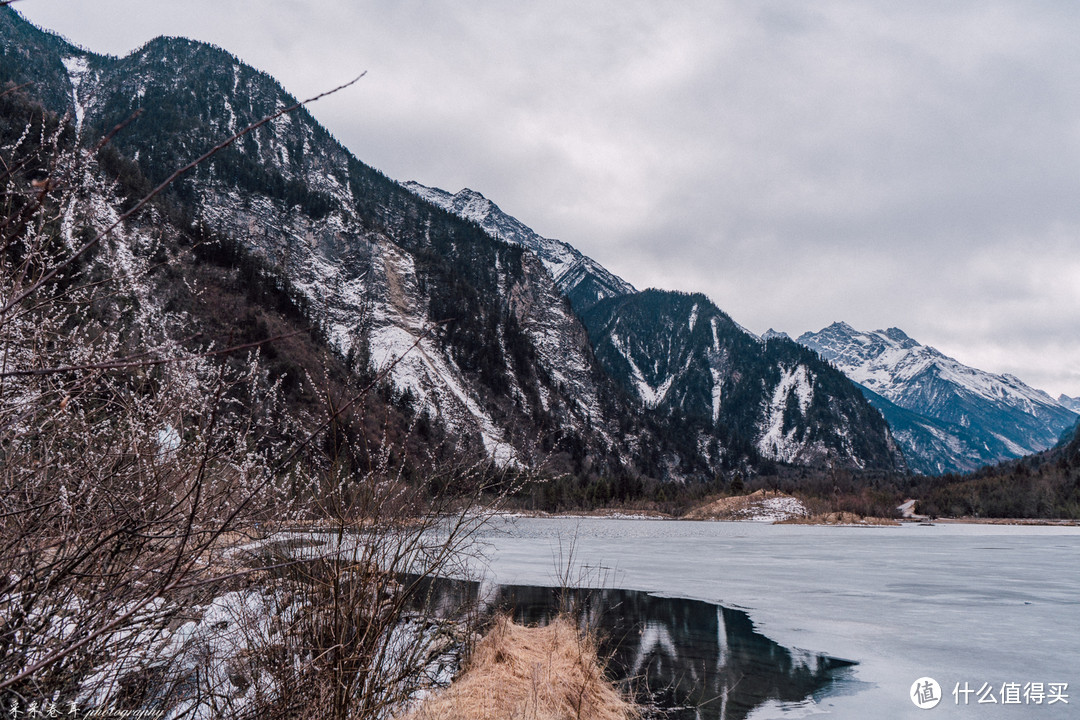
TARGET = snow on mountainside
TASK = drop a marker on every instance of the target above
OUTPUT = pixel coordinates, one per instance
(489, 351)
(686, 361)
(1072, 403)
(1003, 417)
(462, 306)
(935, 447)
(726, 391)
(580, 278)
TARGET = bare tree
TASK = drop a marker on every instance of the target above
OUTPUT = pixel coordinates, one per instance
(124, 454)
(359, 627)
(135, 459)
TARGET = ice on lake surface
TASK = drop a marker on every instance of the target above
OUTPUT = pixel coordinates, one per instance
(979, 606)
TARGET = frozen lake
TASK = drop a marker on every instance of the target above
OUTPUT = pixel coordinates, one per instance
(985, 608)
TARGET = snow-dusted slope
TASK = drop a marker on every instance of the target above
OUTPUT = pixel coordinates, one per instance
(1005, 417)
(935, 447)
(465, 311)
(682, 357)
(473, 330)
(580, 278)
(718, 388)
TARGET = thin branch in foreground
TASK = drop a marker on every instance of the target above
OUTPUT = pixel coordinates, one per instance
(358, 396)
(133, 361)
(90, 244)
(15, 88)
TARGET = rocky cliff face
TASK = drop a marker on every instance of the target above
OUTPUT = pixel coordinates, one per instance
(583, 280)
(689, 366)
(473, 330)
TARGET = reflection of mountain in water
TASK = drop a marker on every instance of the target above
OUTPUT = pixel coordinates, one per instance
(704, 659)
(700, 660)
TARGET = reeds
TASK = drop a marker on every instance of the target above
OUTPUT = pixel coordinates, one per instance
(530, 673)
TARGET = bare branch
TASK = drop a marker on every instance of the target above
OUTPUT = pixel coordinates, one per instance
(338, 412)
(60, 267)
(14, 88)
(133, 361)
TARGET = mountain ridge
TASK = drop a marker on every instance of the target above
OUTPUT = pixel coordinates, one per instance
(1070, 403)
(474, 333)
(1002, 417)
(483, 339)
(583, 280)
(684, 357)
(714, 417)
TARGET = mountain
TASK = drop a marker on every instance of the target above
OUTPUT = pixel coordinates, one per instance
(968, 417)
(1043, 485)
(464, 320)
(583, 280)
(1070, 403)
(682, 357)
(934, 447)
(694, 355)
(472, 331)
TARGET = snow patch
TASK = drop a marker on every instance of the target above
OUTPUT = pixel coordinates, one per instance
(717, 380)
(650, 396)
(774, 442)
(776, 509)
(77, 67)
(402, 346)
(759, 506)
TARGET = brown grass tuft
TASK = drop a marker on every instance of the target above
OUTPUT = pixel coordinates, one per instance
(840, 518)
(523, 673)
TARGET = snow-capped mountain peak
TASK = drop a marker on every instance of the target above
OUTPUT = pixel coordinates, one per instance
(771, 334)
(1009, 417)
(1072, 403)
(580, 278)
(886, 361)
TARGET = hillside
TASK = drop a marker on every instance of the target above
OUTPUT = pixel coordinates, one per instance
(580, 278)
(684, 358)
(498, 362)
(463, 313)
(1045, 485)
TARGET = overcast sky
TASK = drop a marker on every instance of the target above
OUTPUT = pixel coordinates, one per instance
(911, 164)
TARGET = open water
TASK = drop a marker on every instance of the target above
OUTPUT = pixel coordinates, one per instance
(747, 620)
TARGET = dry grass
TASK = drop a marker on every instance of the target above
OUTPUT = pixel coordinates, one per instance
(523, 673)
(840, 518)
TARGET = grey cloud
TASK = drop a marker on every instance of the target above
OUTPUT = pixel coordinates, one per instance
(909, 164)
